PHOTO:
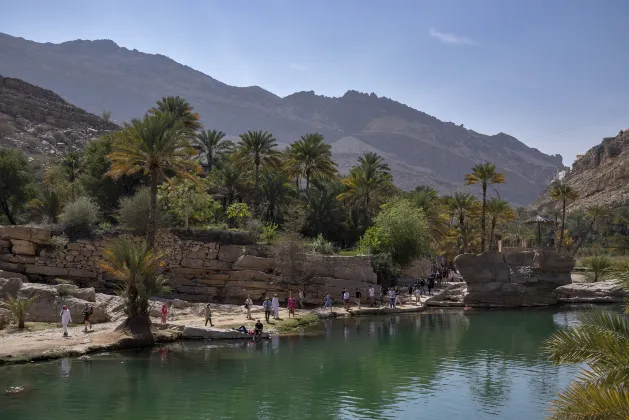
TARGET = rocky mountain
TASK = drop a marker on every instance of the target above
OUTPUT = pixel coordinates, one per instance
(43, 124)
(600, 176)
(421, 149)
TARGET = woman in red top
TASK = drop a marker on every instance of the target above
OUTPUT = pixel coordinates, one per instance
(164, 313)
(292, 305)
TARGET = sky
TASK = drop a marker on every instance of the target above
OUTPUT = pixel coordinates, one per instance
(553, 73)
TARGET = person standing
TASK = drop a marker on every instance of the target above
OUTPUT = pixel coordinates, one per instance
(392, 297)
(345, 296)
(66, 318)
(358, 296)
(328, 302)
(302, 296)
(418, 295)
(275, 304)
(397, 296)
(267, 308)
(208, 314)
(87, 311)
(292, 305)
(410, 290)
(431, 285)
(372, 296)
(164, 313)
(248, 305)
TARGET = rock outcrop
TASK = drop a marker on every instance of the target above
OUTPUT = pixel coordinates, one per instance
(524, 278)
(209, 267)
(610, 291)
(453, 295)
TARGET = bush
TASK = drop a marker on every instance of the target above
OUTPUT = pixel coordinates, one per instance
(66, 290)
(321, 246)
(6, 129)
(237, 213)
(60, 241)
(133, 213)
(80, 213)
(598, 265)
(18, 307)
(269, 233)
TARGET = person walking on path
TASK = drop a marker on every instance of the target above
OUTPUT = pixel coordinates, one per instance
(397, 296)
(267, 309)
(208, 314)
(392, 298)
(275, 304)
(292, 305)
(164, 313)
(372, 296)
(248, 305)
(66, 318)
(345, 297)
(87, 311)
(358, 296)
(328, 302)
(302, 296)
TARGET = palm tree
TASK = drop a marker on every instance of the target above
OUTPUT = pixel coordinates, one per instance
(254, 150)
(600, 341)
(364, 192)
(275, 188)
(310, 158)
(427, 199)
(71, 168)
(213, 146)
(325, 214)
(595, 213)
(484, 174)
(373, 164)
(136, 266)
(153, 145)
(499, 212)
(18, 307)
(564, 193)
(232, 182)
(598, 265)
(180, 111)
(462, 206)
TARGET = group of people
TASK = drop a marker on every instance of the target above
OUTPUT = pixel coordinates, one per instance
(66, 317)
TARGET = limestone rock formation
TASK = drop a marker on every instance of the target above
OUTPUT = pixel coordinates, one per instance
(453, 295)
(610, 291)
(524, 278)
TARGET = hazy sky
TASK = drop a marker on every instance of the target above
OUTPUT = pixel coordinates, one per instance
(528, 68)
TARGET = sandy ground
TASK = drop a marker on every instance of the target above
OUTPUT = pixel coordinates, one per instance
(40, 339)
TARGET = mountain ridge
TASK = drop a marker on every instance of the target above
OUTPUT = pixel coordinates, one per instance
(100, 75)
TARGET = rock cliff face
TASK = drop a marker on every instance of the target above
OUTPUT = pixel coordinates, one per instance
(198, 269)
(421, 149)
(601, 176)
(525, 278)
(40, 122)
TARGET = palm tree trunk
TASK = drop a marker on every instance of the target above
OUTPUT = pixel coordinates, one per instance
(150, 232)
(492, 233)
(563, 220)
(7, 212)
(257, 187)
(587, 232)
(482, 221)
(307, 181)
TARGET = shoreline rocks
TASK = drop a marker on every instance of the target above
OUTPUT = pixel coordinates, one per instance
(610, 291)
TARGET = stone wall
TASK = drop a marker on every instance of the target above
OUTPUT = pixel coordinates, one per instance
(200, 269)
(512, 279)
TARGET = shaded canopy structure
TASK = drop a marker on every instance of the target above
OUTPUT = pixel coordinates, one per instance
(539, 221)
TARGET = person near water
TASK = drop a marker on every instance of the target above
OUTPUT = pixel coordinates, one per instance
(392, 298)
(372, 296)
(431, 285)
(397, 296)
(292, 305)
(358, 296)
(164, 313)
(87, 311)
(66, 318)
(410, 290)
(267, 309)
(418, 295)
(346, 303)
(275, 304)
(328, 302)
(257, 330)
(422, 286)
(208, 314)
(248, 305)
(302, 296)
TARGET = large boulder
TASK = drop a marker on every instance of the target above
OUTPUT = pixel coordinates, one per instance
(215, 334)
(12, 275)
(26, 233)
(10, 287)
(610, 291)
(249, 262)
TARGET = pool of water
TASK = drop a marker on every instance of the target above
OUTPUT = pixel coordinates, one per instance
(443, 364)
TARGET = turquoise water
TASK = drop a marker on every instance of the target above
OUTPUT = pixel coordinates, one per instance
(442, 365)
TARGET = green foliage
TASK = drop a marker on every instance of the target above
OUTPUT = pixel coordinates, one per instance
(65, 290)
(186, 201)
(213, 147)
(598, 265)
(600, 343)
(321, 246)
(385, 269)
(59, 241)
(310, 159)
(269, 233)
(400, 230)
(17, 185)
(237, 213)
(133, 213)
(80, 213)
(18, 307)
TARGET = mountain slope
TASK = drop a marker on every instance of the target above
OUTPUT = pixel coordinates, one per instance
(601, 176)
(99, 75)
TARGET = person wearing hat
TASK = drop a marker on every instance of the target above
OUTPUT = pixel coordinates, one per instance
(66, 318)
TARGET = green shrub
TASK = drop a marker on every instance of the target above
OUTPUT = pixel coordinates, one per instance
(82, 212)
(321, 246)
(598, 265)
(133, 212)
(269, 233)
(65, 290)
(18, 307)
(59, 241)
(237, 213)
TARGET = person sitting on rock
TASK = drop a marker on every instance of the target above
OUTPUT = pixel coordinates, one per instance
(257, 331)
(242, 329)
